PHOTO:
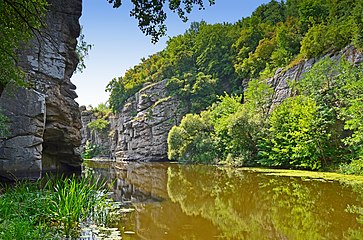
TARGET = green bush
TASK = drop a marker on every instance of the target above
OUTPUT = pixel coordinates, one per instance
(98, 124)
(352, 112)
(191, 141)
(355, 167)
(90, 150)
(297, 136)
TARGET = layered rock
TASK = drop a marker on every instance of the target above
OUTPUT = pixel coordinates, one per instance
(140, 131)
(45, 119)
(282, 77)
(99, 139)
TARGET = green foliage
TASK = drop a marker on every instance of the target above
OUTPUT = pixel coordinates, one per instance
(101, 112)
(338, 86)
(151, 15)
(297, 137)
(352, 112)
(196, 91)
(90, 150)
(82, 51)
(19, 21)
(225, 133)
(355, 167)
(190, 141)
(98, 124)
(73, 201)
(54, 211)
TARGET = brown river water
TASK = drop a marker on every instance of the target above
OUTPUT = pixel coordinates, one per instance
(174, 201)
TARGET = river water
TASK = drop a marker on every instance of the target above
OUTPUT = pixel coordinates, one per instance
(173, 201)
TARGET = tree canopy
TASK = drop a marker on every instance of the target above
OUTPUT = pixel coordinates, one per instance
(151, 14)
(277, 34)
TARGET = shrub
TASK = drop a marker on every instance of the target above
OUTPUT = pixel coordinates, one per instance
(90, 150)
(98, 124)
(190, 141)
(355, 167)
(297, 136)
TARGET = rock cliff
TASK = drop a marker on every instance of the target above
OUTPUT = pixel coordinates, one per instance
(140, 131)
(45, 119)
(280, 81)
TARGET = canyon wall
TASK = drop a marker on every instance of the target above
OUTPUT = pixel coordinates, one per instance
(44, 118)
(280, 81)
(140, 131)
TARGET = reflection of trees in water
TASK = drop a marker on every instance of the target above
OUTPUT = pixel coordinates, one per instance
(253, 206)
(356, 209)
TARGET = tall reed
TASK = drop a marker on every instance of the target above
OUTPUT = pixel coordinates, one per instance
(51, 210)
(74, 199)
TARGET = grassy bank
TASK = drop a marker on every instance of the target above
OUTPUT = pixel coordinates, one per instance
(53, 209)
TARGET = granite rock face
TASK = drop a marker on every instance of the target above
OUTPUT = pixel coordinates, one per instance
(45, 119)
(140, 131)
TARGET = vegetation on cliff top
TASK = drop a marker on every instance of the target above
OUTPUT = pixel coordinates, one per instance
(319, 127)
(275, 35)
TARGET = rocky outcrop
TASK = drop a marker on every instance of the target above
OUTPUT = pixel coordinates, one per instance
(280, 81)
(96, 138)
(144, 123)
(45, 119)
(140, 131)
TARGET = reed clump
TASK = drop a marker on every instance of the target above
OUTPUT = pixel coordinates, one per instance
(53, 208)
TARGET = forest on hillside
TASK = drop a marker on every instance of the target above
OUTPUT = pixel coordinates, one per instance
(219, 72)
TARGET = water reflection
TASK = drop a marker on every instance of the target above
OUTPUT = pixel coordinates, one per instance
(204, 202)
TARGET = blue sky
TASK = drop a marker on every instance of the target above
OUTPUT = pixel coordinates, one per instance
(118, 44)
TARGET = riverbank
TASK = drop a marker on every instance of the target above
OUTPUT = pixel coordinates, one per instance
(56, 209)
(304, 174)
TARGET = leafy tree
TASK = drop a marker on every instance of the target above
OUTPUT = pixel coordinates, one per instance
(4, 125)
(213, 51)
(190, 141)
(297, 137)
(151, 14)
(270, 13)
(101, 112)
(20, 20)
(352, 113)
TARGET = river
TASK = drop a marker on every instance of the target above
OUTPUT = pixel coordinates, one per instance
(174, 201)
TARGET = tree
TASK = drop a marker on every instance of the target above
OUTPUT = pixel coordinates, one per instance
(20, 20)
(151, 14)
(297, 137)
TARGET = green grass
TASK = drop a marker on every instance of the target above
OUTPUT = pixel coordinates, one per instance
(52, 209)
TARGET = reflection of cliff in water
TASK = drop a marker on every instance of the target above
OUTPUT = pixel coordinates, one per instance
(155, 216)
(134, 182)
(205, 202)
